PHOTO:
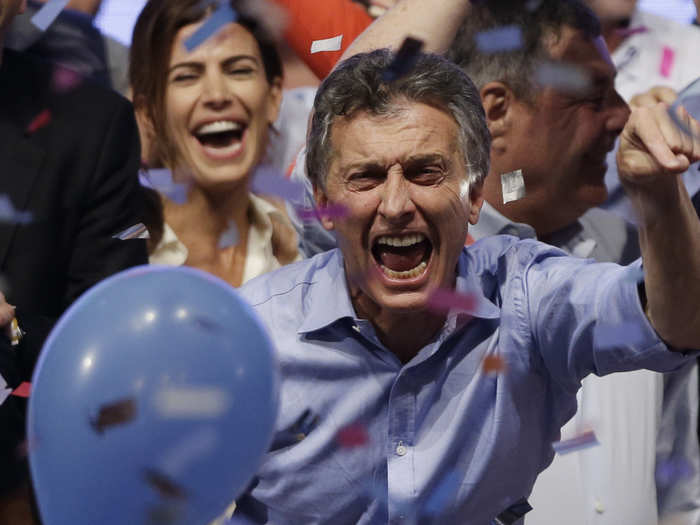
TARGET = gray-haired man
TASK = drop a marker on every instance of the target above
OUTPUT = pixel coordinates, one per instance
(361, 352)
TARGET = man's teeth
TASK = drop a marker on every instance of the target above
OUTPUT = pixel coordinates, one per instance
(219, 127)
(408, 274)
(405, 240)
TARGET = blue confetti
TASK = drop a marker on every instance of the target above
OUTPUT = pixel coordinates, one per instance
(229, 237)
(267, 181)
(45, 16)
(505, 38)
(405, 59)
(218, 19)
(161, 180)
(580, 442)
(137, 231)
(672, 470)
(8, 213)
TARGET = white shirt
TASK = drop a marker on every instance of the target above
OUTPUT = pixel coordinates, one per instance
(260, 257)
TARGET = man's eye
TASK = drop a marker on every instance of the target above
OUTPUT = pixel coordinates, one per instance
(364, 180)
(428, 175)
(242, 71)
(184, 77)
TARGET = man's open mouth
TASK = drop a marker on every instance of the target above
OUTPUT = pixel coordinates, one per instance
(221, 134)
(402, 256)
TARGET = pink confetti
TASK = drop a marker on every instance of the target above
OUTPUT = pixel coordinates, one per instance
(443, 300)
(352, 436)
(65, 79)
(23, 390)
(667, 62)
(580, 442)
(334, 211)
(41, 120)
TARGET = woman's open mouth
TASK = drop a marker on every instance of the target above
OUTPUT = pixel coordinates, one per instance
(402, 256)
(221, 139)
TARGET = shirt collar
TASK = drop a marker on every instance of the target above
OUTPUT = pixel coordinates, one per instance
(330, 282)
(492, 222)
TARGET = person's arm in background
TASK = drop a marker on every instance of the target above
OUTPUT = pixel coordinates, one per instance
(311, 20)
(435, 22)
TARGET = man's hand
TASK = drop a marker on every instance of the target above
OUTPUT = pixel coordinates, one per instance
(654, 96)
(652, 146)
(653, 153)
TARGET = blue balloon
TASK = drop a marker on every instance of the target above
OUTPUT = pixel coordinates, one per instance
(154, 401)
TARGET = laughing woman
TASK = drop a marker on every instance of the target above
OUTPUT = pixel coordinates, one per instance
(209, 113)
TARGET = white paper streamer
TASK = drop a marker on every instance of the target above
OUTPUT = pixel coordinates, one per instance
(513, 186)
(45, 16)
(329, 44)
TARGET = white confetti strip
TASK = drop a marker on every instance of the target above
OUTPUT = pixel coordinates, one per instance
(191, 402)
(137, 231)
(513, 186)
(562, 76)
(4, 391)
(329, 44)
(229, 237)
(8, 213)
(45, 16)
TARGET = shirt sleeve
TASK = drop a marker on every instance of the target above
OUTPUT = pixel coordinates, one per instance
(313, 21)
(587, 317)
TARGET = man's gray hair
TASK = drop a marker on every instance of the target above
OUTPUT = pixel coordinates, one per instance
(358, 84)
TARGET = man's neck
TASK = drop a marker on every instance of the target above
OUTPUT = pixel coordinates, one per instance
(403, 333)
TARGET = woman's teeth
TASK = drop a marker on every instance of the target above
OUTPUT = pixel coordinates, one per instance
(408, 274)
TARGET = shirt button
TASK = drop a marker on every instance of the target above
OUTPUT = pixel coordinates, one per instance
(401, 449)
(599, 507)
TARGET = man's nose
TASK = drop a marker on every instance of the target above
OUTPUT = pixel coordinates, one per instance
(397, 203)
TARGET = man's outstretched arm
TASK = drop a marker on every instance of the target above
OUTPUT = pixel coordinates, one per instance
(653, 153)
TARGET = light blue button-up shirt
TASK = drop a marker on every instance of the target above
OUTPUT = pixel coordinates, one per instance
(444, 438)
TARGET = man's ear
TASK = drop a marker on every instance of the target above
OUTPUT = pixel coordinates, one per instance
(497, 99)
(322, 202)
(476, 199)
(274, 100)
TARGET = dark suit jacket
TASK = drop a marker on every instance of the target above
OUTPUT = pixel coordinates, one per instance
(78, 177)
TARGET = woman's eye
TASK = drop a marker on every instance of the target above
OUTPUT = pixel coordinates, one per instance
(183, 77)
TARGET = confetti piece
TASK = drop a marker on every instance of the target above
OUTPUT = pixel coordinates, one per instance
(443, 300)
(16, 332)
(41, 120)
(229, 237)
(212, 25)
(163, 485)
(45, 16)
(667, 58)
(191, 448)
(8, 213)
(603, 51)
(64, 79)
(267, 181)
(404, 60)
(114, 414)
(673, 470)
(580, 442)
(352, 436)
(137, 231)
(493, 364)
(499, 39)
(629, 31)
(562, 76)
(513, 186)
(4, 391)
(23, 390)
(191, 402)
(333, 211)
(327, 44)
(162, 181)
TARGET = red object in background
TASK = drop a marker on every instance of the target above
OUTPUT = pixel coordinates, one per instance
(41, 120)
(353, 436)
(23, 390)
